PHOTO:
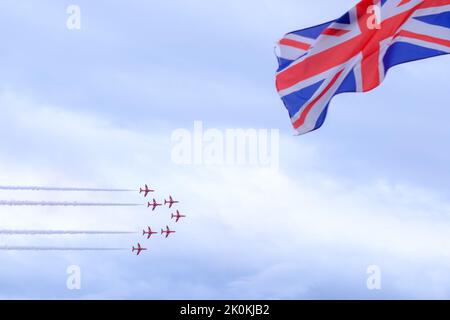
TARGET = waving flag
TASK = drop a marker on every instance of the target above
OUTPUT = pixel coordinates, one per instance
(354, 52)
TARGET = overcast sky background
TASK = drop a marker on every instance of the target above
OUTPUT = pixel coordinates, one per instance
(97, 107)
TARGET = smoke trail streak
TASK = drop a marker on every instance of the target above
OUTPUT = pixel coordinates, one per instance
(62, 232)
(40, 188)
(26, 248)
(65, 204)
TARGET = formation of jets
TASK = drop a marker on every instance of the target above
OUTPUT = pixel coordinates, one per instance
(164, 231)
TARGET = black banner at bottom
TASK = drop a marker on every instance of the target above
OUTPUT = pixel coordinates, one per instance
(199, 309)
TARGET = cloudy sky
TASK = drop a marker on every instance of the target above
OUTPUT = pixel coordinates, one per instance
(97, 107)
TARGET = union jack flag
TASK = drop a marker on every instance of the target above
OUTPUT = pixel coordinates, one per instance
(354, 52)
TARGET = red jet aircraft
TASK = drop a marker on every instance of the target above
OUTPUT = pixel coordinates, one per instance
(146, 190)
(177, 216)
(154, 205)
(138, 249)
(167, 231)
(148, 233)
(170, 202)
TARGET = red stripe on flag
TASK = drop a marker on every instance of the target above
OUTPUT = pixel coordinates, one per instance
(370, 69)
(295, 44)
(335, 32)
(403, 2)
(423, 37)
(433, 3)
(300, 121)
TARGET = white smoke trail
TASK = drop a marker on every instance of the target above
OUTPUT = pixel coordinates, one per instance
(41, 188)
(62, 232)
(65, 204)
(27, 248)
